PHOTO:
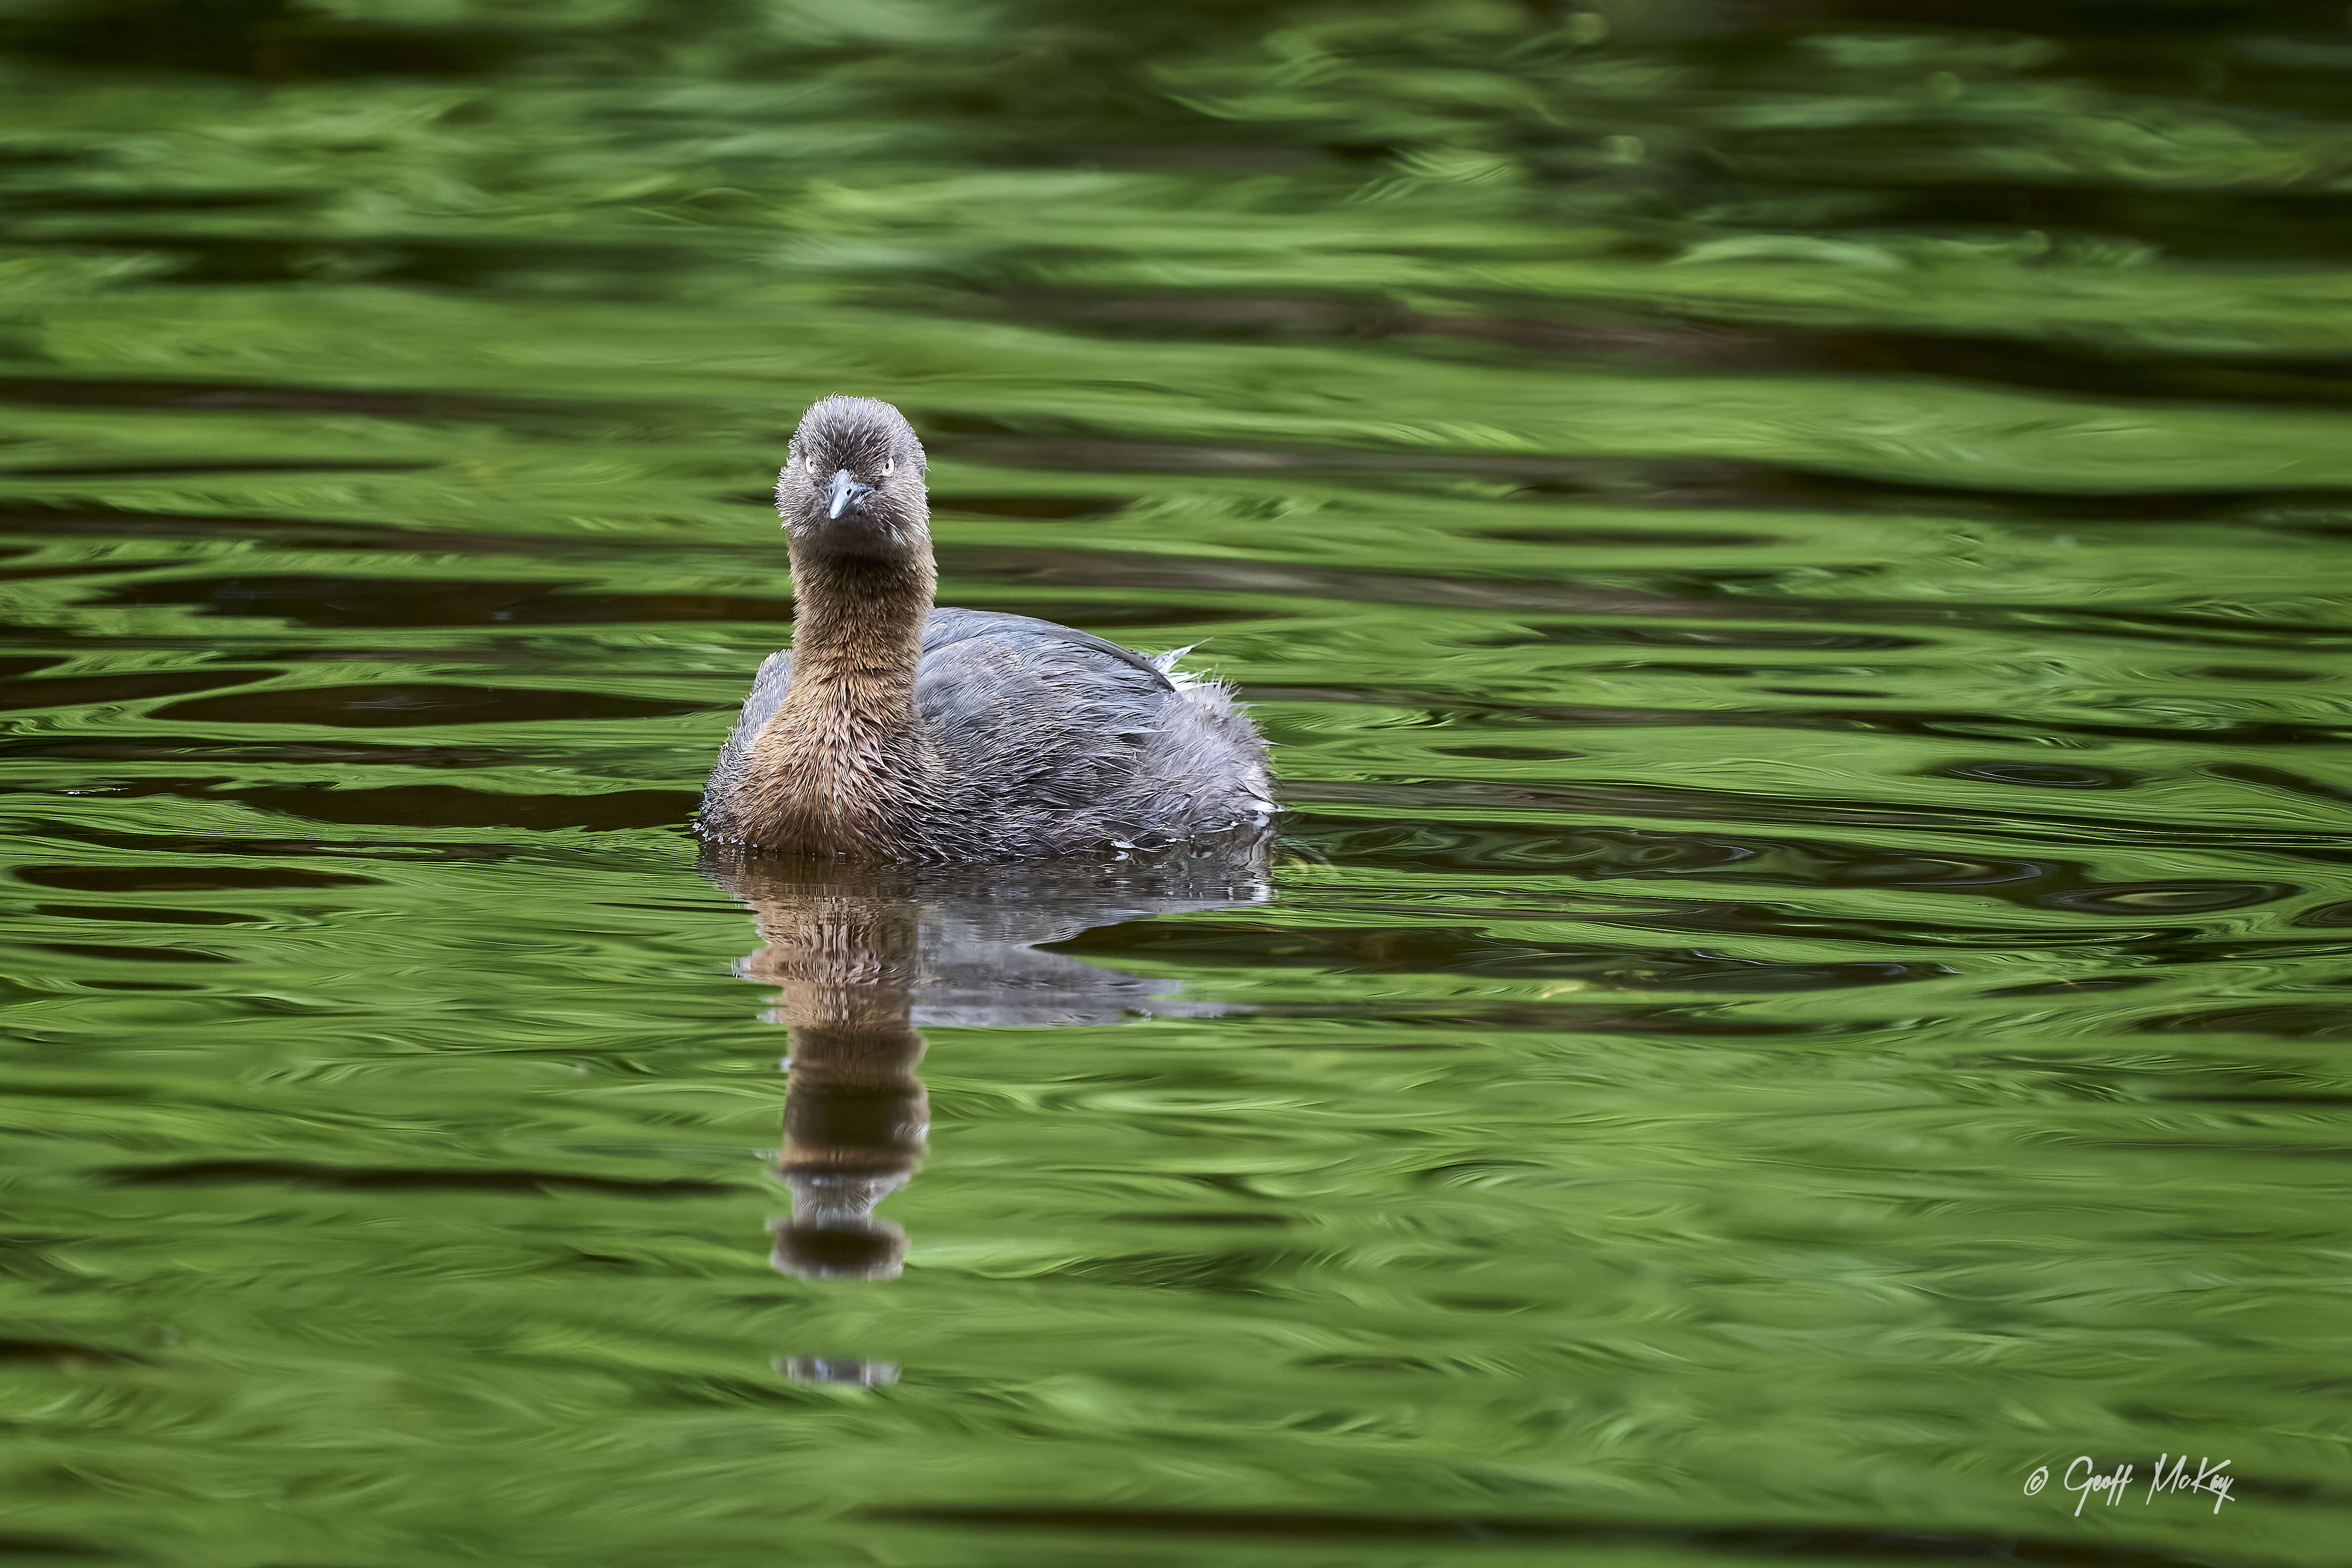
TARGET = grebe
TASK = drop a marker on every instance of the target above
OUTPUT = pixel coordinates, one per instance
(895, 731)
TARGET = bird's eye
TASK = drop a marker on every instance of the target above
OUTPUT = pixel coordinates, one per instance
(889, 467)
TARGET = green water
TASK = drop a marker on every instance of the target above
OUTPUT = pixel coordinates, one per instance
(1795, 556)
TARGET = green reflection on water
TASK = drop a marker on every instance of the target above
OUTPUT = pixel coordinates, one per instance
(1797, 564)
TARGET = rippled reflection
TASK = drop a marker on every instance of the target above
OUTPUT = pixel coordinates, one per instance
(860, 955)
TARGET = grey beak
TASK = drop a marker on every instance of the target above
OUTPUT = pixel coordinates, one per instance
(847, 493)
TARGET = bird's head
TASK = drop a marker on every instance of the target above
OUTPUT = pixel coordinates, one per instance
(853, 481)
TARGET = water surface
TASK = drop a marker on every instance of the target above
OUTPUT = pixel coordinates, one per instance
(1795, 555)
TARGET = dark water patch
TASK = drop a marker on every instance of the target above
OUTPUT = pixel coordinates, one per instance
(2282, 779)
(2045, 366)
(272, 40)
(1196, 315)
(2167, 24)
(198, 466)
(1723, 918)
(144, 953)
(2274, 630)
(56, 1089)
(1050, 508)
(1691, 481)
(1440, 950)
(1598, 332)
(83, 519)
(2281, 1149)
(613, 270)
(182, 878)
(1951, 726)
(395, 705)
(355, 1178)
(2166, 897)
(346, 601)
(65, 391)
(1612, 800)
(2256, 673)
(425, 805)
(71, 831)
(1680, 596)
(1578, 633)
(2282, 1021)
(2275, 380)
(1570, 537)
(69, 198)
(1604, 853)
(1833, 490)
(2213, 225)
(1014, 448)
(184, 748)
(1776, 1540)
(1616, 477)
(84, 691)
(146, 915)
(1575, 1014)
(448, 806)
(2037, 775)
(1102, 614)
(2326, 914)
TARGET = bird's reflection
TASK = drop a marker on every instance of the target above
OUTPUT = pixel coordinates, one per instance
(862, 956)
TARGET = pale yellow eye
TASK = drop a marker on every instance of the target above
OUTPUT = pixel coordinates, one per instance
(889, 467)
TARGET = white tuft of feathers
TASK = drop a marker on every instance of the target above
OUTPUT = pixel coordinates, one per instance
(1182, 680)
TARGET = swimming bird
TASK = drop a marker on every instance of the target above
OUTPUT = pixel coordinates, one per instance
(893, 730)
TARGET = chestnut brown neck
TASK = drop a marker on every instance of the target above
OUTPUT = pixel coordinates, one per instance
(844, 764)
(857, 633)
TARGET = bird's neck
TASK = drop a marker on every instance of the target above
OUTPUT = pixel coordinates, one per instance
(857, 635)
(844, 764)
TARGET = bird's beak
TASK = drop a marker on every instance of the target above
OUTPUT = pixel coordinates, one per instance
(847, 493)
